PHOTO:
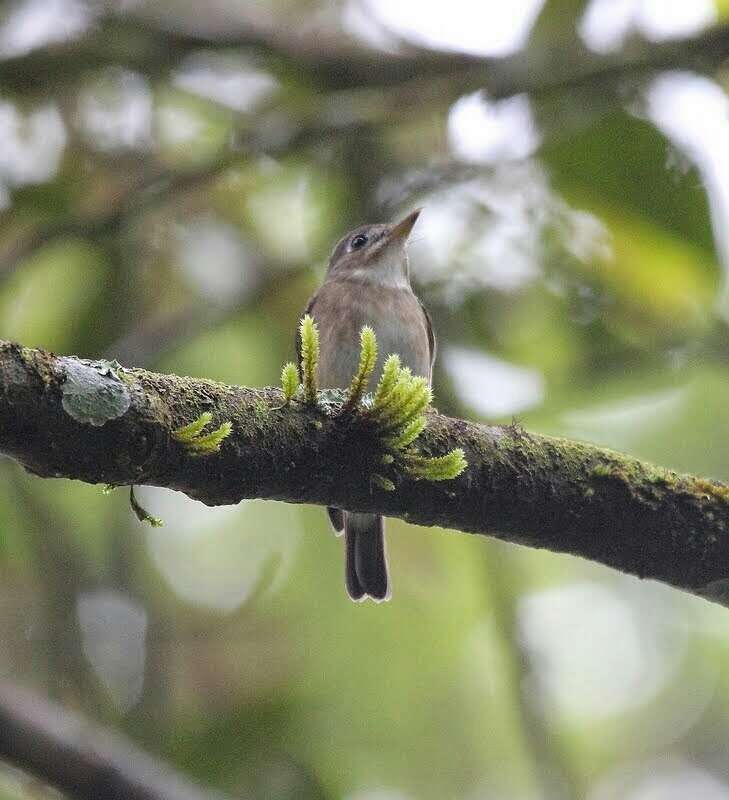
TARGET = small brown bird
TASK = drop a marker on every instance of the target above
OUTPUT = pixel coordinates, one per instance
(368, 283)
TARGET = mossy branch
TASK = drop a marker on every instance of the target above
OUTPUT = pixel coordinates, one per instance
(535, 490)
(398, 413)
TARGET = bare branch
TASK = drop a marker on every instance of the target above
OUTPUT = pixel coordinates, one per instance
(80, 758)
(335, 61)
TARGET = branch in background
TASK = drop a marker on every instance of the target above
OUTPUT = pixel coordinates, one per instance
(158, 187)
(83, 760)
(62, 417)
(531, 72)
(153, 190)
(439, 79)
(154, 336)
(336, 61)
(414, 79)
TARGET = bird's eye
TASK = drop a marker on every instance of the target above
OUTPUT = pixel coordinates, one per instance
(360, 240)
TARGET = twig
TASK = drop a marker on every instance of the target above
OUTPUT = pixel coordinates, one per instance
(82, 759)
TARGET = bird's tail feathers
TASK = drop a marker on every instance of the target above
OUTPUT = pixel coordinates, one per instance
(366, 562)
(336, 517)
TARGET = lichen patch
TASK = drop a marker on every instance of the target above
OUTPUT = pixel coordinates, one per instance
(93, 392)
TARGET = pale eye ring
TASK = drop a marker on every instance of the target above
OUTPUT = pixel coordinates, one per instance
(358, 241)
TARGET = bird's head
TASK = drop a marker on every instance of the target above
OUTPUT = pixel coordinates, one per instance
(375, 253)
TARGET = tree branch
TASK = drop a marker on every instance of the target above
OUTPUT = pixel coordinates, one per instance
(336, 61)
(155, 189)
(142, 196)
(528, 71)
(85, 761)
(62, 417)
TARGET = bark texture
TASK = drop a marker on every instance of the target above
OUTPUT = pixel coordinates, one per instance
(69, 418)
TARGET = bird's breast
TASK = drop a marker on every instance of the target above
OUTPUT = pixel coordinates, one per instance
(395, 315)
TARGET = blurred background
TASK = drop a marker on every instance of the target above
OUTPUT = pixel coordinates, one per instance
(173, 176)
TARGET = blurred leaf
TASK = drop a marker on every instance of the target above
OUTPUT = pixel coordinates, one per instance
(557, 21)
(722, 9)
(46, 302)
(292, 207)
(238, 351)
(620, 163)
(189, 129)
(662, 286)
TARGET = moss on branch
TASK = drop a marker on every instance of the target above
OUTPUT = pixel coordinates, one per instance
(539, 491)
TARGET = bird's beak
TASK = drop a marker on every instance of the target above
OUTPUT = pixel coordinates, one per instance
(393, 241)
(401, 231)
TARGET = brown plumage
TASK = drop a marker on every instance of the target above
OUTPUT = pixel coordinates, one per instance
(368, 283)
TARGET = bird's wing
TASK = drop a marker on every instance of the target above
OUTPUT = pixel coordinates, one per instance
(432, 347)
(307, 310)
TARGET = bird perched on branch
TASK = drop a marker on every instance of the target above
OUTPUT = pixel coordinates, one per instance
(368, 283)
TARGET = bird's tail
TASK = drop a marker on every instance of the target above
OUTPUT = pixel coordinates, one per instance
(366, 563)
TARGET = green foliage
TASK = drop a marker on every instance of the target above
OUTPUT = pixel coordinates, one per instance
(190, 436)
(437, 468)
(189, 432)
(399, 410)
(386, 384)
(289, 382)
(52, 296)
(206, 445)
(601, 471)
(367, 361)
(309, 335)
(408, 434)
(141, 513)
(384, 483)
(410, 397)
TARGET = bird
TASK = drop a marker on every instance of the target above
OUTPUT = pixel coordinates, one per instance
(368, 283)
